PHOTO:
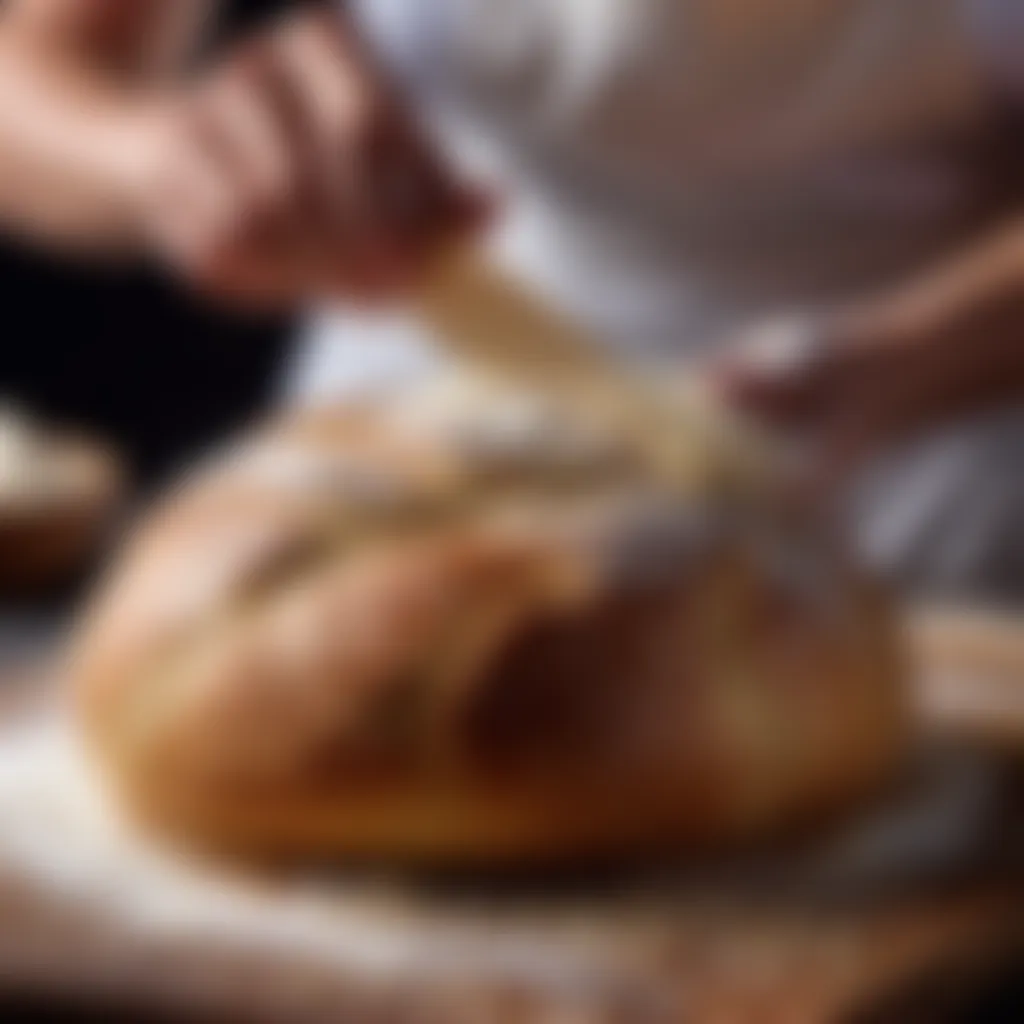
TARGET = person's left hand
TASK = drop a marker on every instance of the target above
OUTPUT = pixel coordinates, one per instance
(853, 384)
(946, 345)
(843, 385)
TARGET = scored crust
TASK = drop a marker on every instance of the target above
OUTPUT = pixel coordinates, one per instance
(453, 628)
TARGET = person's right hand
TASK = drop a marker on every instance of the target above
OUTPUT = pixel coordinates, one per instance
(289, 173)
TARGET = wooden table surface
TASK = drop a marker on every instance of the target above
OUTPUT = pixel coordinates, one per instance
(949, 955)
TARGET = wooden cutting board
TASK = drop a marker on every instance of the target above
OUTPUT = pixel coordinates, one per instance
(906, 908)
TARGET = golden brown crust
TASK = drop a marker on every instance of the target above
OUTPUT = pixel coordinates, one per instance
(356, 638)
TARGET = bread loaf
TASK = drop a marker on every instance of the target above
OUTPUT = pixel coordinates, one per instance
(462, 626)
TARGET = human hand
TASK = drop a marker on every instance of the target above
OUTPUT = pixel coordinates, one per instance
(290, 172)
(849, 386)
(834, 385)
(942, 346)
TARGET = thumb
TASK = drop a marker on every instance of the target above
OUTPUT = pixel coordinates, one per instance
(778, 370)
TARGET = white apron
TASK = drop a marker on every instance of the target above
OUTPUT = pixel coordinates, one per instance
(678, 170)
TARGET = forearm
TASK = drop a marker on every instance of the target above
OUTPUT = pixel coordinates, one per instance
(75, 80)
(956, 334)
(944, 346)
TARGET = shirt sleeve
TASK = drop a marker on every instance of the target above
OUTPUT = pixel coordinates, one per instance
(412, 37)
(998, 28)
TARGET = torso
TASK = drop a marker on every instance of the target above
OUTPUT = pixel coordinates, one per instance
(681, 168)
(688, 166)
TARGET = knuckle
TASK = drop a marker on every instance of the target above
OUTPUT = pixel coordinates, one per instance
(267, 199)
(358, 111)
(254, 201)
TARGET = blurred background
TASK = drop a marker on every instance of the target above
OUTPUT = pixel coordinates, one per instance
(815, 204)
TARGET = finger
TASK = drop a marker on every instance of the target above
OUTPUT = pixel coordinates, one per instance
(318, 95)
(796, 371)
(248, 124)
(778, 371)
(334, 105)
(361, 133)
(192, 211)
(201, 229)
(346, 114)
(346, 243)
(398, 189)
(199, 169)
(263, 142)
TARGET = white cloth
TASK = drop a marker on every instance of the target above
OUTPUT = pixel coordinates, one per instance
(679, 169)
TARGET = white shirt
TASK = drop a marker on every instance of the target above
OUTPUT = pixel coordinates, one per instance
(679, 169)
